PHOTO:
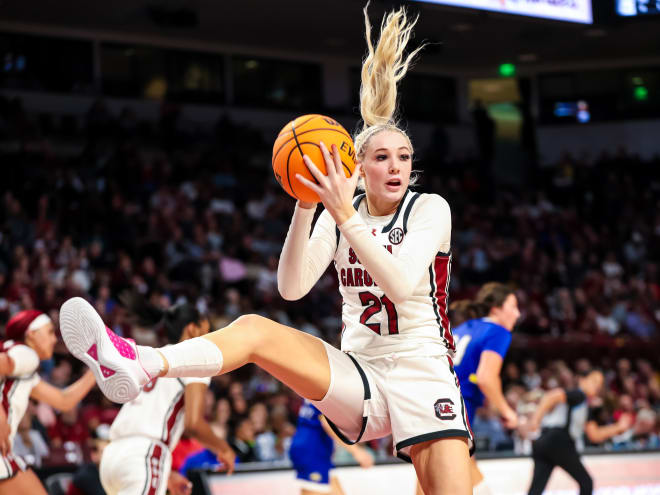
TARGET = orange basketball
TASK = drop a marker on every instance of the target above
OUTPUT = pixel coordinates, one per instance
(301, 137)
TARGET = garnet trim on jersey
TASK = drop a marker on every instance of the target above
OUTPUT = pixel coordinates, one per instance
(173, 413)
(13, 465)
(7, 388)
(154, 466)
(439, 273)
(367, 396)
(466, 419)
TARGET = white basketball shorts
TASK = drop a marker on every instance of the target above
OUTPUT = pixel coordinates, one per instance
(135, 466)
(416, 399)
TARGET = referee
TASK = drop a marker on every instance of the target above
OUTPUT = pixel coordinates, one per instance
(563, 417)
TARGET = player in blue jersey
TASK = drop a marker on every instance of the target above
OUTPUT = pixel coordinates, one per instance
(311, 452)
(482, 343)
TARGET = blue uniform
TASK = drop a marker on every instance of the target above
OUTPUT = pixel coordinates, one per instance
(474, 337)
(311, 447)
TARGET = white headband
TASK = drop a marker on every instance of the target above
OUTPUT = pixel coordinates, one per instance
(39, 321)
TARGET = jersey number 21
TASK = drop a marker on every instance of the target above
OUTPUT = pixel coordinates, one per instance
(374, 304)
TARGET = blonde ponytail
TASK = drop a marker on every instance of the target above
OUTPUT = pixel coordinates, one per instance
(382, 69)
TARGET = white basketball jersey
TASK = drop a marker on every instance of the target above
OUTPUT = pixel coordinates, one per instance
(16, 391)
(158, 412)
(372, 324)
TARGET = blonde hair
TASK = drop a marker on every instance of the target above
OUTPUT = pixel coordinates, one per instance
(383, 67)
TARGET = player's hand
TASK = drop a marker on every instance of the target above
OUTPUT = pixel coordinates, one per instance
(227, 457)
(177, 484)
(363, 457)
(625, 422)
(510, 419)
(335, 189)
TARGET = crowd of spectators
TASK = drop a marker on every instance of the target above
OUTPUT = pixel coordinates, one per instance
(95, 206)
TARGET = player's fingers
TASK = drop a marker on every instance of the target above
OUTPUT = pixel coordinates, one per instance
(329, 160)
(312, 185)
(355, 176)
(314, 170)
(336, 157)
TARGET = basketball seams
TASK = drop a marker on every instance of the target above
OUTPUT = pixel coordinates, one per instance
(288, 177)
(291, 138)
(299, 125)
(305, 132)
(350, 172)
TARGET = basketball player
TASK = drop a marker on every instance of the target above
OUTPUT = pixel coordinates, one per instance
(31, 338)
(138, 459)
(563, 416)
(390, 247)
(482, 343)
(311, 453)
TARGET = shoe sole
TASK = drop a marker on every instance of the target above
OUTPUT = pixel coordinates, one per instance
(82, 328)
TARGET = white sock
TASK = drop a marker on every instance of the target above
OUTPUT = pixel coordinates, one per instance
(482, 489)
(197, 357)
(151, 360)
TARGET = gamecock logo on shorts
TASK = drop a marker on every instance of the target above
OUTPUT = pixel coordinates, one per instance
(396, 236)
(444, 409)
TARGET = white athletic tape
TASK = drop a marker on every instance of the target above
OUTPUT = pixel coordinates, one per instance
(198, 357)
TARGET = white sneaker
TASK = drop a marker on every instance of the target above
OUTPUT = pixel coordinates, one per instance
(113, 359)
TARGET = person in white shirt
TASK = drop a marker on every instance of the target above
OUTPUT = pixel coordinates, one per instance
(391, 249)
(138, 458)
(31, 338)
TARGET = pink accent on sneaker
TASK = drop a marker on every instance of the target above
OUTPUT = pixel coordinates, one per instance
(121, 345)
(92, 352)
(107, 372)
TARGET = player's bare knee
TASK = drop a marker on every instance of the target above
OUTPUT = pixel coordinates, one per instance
(253, 331)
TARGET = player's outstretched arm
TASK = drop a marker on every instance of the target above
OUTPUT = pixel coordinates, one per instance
(197, 426)
(67, 398)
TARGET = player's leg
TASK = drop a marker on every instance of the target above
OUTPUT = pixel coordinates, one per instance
(542, 471)
(572, 464)
(429, 424)
(313, 477)
(335, 486)
(443, 466)
(479, 484)
(297, 359)
(22, 482)
(312, 368)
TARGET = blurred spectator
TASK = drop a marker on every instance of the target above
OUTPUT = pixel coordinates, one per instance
(243, 442)
(28, 443)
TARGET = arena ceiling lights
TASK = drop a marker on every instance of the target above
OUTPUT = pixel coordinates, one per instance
(560, 10)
